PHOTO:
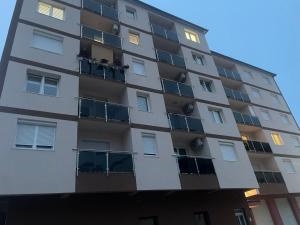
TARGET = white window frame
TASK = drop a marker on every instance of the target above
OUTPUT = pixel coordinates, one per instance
(289, 166)
(204, 88)
(198, 59)
(131, 10)
(236, 158)
(189, 36)
(137, 35)
(36, 125)
(51, 10)
(146, 97)
(217, 113)
(138, 61)
(153, 136)
(49, 36)
(42, 86)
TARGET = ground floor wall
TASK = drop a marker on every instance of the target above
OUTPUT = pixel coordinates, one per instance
(170, 208)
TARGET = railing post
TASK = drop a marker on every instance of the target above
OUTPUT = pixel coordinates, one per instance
(129, 118)
(263, 173)
(102, 37)
(197, 166)
(79, 108)
(172, 58)
(81, 27)
(166, 34)
(77, 162)
(105, 110)
(107, 167)
(178, 88)
(101, 9)
(169, 119)
(187, 125)
(133, 164)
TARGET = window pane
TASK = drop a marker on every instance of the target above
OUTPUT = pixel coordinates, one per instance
(25, 135)
(134, 38)
(50, 87)
(143, 103)
(45, 137)
(228, 152)
(139, 67)
(217, 116)
(33, 84)
(131, 13)
(202, 218)
(58, 13)
(149, 143)
(277, 139)
(47, 42)
(44, 8)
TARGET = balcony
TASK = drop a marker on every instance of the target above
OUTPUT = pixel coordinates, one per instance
(269, 177)
(88, 67)
(172, 59)
(100, 37)
(164, 33)
(109, 112)
(177, 88)
(185, 123)
(229, 74)
(236, 95)
(100, 9)
(256, 146)
(195, 165)
(245, 119)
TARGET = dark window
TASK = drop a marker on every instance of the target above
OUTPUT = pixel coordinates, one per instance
(202, 218)
(2, 218)
(240, 217)
(148, 221)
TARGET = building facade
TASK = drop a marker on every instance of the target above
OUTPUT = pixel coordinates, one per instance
(115, 111)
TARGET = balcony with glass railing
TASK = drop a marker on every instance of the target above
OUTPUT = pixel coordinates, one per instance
(229, 74)
(257, 146)
(106, 111)
(245, 119)
(89, 67)
(100, 36)
(195, 165)
(100, 9)
(164, 33)
(185, 123)
(177, 88)
(169, 58)
(236, 95)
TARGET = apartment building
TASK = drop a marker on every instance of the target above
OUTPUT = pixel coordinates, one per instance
(113, 111)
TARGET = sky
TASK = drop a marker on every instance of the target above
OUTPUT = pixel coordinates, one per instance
(264, 33)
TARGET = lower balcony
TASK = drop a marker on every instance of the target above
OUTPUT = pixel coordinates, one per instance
(271, 183)
(169, 58)
(257, 147)
(245, 119)
(177, 88)
(185, 123)
(105, 171)
(197, 173)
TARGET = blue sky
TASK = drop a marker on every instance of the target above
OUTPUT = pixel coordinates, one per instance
(263, 33)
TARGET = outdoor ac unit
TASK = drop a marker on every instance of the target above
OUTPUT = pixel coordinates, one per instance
(115, 29)
(197, 144)
(182, 78)
(188, 108)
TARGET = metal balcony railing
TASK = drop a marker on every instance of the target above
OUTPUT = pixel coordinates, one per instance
(256, 146)
(185, 123)
(195, 165)
(246, 119)
(169, 58)
(164, 33)
(100, 36)
(233, 75)
(94, 161)
(88, 67)
(269, 177)
(173, 87)
(94, 109)
(100, 9)
(236, 95)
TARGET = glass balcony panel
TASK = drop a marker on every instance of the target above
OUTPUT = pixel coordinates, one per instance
(251, 145)
(172, 36)
(187, 165)
(109, 12)
(246, 144)
(112, 40)
(195, 125)
(221, 71)
(267, 147)
(170, 87)
(205, 166)
(117, 113)
(85, 66)
(257, 146)
(92, 6)
(229, 93)
(237, 95)
(238, 117)
(278, 177)
(92, 34)
(236, 76)
(92, 109)
(255, 121)
(120, 162)
(245, 97)
(178, 61)
(247, 119)
(92, 161)
(269, 177)
(158, 30)
(260, 177)
(97, 70)
(164, 57)
(178, 122)
(229, 74)
(186, 90)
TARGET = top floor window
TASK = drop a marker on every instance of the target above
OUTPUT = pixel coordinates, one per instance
(50, 10)
(131, 13)
(191, 36)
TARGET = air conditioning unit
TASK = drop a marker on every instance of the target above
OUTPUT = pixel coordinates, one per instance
(188, 108)
(197, 144)
(182, 78)
(115, 29)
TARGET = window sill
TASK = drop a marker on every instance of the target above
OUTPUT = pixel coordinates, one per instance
(48, 51)
(39, 94)
(33, 149)
(151, 156)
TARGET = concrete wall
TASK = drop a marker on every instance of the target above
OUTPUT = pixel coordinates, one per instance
(262, 215)
(285, 211)
(32, 171)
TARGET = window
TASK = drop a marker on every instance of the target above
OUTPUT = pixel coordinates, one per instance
(2, 218)
(198, 59)
(251, 110)
(288, 165)
(149, 143)
(240, 217)
(202, 218)
(256, 93)
(285, 118)
(35, 135)
(296, 141)
(134, 38)
(131, 13)
(148, 221)
(248, 75)
(47, 42)
(50, 10)
(206, 85)
(277, 139)
(41, 84)
(138, 67)
(217, 116)
(276, 100)
(191, 36)
(143, 103)
(266, 115)
(228, 151)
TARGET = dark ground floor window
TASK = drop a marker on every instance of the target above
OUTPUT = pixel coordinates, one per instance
(201, 218)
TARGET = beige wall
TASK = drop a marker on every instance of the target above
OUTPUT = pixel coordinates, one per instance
(71, 23)
(22, 48)
(145, 47)
(30, 171)
(155, 172)
(237, 174)
(151, 78)
(285, 211)
(262, 215)
(15, 95)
